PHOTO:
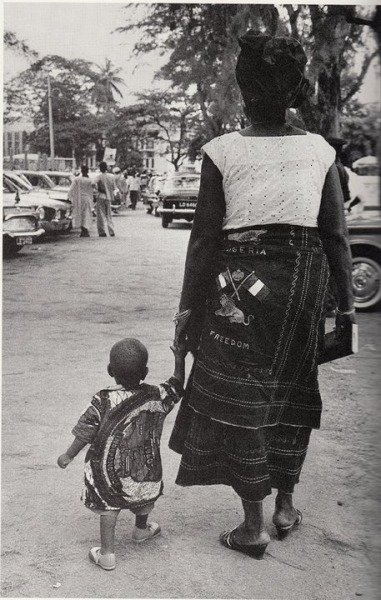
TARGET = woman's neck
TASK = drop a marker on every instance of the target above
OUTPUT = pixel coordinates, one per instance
(271, 129)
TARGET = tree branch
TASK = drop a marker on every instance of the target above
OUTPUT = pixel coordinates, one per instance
(359, 80)
(293, 14)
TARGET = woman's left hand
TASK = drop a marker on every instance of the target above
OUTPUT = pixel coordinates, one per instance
(344, 322)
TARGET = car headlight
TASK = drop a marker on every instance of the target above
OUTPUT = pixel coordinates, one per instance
(40, 212)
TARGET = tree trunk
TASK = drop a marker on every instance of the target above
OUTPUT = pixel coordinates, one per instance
(329, 30)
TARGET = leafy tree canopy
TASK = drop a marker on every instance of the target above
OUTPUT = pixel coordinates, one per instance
(12, 42)
(201, 42)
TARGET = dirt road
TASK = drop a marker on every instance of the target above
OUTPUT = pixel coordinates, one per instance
(64, 304)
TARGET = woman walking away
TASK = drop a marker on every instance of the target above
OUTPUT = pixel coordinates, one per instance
(81, 196)
(269, 215)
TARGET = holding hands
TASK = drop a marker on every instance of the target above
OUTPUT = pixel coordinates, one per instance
(64, 460)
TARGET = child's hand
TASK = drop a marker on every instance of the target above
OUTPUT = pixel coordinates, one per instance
(64, 460)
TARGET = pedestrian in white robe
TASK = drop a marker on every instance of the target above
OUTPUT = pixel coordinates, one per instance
(81, 196)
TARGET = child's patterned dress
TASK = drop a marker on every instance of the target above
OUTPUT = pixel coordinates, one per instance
(123, 465)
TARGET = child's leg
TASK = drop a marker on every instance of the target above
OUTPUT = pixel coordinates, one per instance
(108, 522)
(141, 521)
(144, 530)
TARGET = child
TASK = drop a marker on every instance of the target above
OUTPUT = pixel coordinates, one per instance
(123, 424)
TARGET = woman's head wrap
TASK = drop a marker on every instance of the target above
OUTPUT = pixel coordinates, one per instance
(271, 70)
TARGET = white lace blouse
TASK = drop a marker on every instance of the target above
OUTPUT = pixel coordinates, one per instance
(271, 179)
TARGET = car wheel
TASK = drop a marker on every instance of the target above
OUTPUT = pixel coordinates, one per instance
(165, 221)
(366, 280)
(10, 248)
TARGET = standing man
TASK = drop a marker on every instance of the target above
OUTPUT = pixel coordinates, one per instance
(134, 191)
(105, 185)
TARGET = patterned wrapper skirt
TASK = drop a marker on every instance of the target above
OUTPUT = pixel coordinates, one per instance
(253, 395)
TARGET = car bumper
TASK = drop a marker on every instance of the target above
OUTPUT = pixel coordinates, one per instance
(22, 237)
(176, 211)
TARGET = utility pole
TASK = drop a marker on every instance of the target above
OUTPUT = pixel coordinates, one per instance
(51, 131)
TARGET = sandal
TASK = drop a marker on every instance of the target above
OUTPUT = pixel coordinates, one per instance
(105, 561)
(142, 535)
(284, 530)
(254, 550)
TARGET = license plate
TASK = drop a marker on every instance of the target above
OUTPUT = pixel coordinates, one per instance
(187, 204)
(22, 241)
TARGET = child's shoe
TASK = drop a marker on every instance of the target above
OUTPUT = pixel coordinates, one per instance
(105, 561)
(141, 535)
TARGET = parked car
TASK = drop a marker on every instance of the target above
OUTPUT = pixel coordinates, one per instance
(53, 215)
(62, 181)
(368, 171)
(365, 242)
(20, 226)
(178, 197)
(37, 179)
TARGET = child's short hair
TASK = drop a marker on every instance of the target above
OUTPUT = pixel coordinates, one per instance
(128, 359)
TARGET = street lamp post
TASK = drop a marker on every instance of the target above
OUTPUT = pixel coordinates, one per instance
(51, 130)
(26, 150)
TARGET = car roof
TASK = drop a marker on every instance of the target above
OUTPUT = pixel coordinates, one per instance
(183, 174)
(59, 173)
(30, 172)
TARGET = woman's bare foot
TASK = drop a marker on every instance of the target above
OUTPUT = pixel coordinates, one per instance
(245, 536)
(252, 531)
(285, 514)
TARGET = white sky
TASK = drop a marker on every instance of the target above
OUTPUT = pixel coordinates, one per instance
(84, 30)
(79, 30)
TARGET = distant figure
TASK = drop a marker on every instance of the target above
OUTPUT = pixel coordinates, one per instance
(121, 184)
(123, 426)
(144, 180)
(354, 207)
(81, 196)
(134, 191)
(105, 188)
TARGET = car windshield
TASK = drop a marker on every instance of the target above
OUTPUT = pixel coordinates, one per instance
(17, 182)
(39, 180)
(188, 182)
(61, 180)
(10, 186)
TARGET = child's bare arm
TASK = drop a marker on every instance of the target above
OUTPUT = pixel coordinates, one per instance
(71, 453)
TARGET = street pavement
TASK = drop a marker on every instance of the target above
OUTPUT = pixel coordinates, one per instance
(65, 302)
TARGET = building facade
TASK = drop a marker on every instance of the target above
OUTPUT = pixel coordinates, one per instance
(15, 137)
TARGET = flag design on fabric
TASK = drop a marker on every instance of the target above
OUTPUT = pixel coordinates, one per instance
(256, 287)
(222, 281)
(250, 283)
